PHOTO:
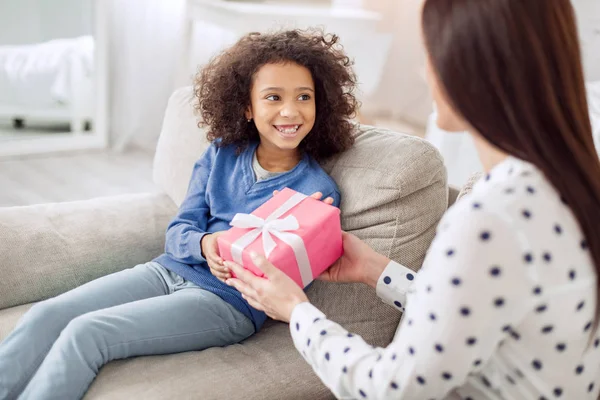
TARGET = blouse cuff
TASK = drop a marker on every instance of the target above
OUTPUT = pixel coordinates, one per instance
(394, 284)
(304, 317)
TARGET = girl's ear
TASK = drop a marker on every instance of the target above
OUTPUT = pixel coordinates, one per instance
(248, 113)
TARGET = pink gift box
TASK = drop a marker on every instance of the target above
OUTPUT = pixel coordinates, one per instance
(317, 237)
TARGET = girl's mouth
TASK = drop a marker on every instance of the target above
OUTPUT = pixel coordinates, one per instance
(287, 130)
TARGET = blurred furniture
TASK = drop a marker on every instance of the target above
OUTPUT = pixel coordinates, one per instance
(393, 194)
(53, 76)
(52, 80)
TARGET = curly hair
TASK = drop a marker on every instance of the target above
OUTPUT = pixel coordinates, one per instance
(223, 89)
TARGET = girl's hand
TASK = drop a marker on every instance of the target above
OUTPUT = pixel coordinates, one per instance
(210, 251)
(276, 294)
(359, 263)
(316, 195)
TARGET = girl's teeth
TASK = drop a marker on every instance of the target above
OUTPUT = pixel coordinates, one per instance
(288, 130)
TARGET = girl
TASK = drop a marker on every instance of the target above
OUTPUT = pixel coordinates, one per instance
(505, 305)
(275, 105)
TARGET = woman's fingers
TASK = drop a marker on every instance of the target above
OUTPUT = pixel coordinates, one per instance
(244, 288)
(264, 265)
(254, 304)
(243, 274)
(325, 276)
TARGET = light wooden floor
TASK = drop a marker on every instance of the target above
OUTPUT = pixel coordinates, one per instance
(82, 176)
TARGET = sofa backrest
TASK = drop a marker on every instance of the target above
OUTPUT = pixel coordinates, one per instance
(393, 190)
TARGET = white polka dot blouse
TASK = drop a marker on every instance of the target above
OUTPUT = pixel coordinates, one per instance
(503, 307)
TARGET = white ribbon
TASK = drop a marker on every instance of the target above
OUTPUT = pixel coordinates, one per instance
(279, 228)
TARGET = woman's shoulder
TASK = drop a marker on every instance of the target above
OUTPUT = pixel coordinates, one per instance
(519, 197)
(509, 187)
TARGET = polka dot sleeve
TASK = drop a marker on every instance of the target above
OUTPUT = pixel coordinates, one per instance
(469, 294)
(394, 283)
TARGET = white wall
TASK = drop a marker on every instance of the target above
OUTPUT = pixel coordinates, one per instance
(588, 18)
(144, 40)
(31, 21)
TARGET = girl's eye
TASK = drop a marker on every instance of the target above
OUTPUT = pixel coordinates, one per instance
(273, 97)
(304, 97)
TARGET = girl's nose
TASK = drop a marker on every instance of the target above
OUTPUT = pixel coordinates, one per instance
(288, 111)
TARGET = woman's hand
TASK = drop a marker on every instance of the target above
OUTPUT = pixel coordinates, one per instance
(277, 295)
(210, 251)
(359, 263)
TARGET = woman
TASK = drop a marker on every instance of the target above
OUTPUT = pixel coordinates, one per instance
(505, 305)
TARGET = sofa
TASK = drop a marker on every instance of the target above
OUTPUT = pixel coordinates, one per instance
(394, 192)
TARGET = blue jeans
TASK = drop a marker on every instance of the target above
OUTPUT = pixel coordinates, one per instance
(60, 344)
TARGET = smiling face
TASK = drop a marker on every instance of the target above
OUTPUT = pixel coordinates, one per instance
(282, 105)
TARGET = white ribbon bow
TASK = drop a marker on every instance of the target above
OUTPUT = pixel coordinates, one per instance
(279, 228)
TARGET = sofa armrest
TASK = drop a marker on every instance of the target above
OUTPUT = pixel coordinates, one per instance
(48, 249)
(453, 193)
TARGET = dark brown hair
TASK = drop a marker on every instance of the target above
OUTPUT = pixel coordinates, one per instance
(223, 88)
(512, 69)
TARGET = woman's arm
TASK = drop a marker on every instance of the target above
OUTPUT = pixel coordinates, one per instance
(360, 263)
(472, 289)
(394, 284)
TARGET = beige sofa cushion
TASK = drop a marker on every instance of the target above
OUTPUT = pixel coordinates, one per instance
(266, 367)
(48, 249)
(180, 145)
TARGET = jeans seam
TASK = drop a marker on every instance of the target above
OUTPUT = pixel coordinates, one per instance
(169, 336)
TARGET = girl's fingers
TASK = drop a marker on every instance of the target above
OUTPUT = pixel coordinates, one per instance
(220, 269)
(218, 262)
(220, 275)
